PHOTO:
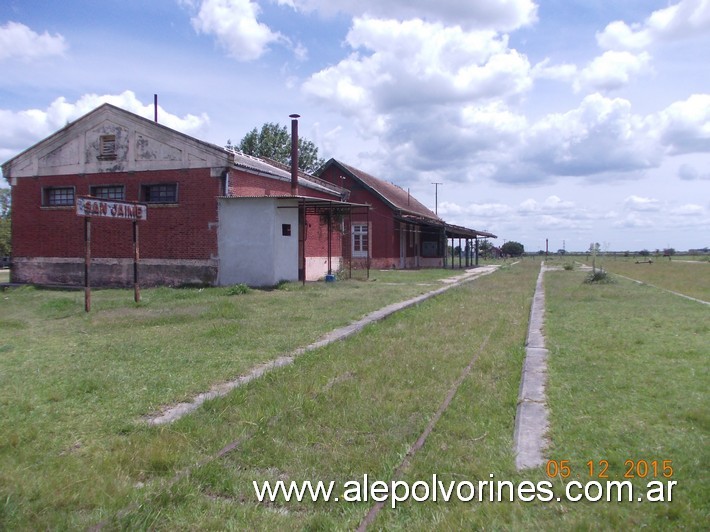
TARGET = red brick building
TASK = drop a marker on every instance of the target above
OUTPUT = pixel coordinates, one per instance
(399, 231)
(196, 231)
(213, 216)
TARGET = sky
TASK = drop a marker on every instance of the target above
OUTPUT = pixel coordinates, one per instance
(549, 122)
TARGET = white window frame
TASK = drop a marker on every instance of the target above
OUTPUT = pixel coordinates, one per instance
(358, 232)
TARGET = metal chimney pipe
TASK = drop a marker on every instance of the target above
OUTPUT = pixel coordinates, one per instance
(294, 153)
(155, 107)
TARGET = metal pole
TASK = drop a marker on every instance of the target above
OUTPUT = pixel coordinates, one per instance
(87, 263)
(436, 197)
(303, 223)
(136, 288)
(460, 250)
(452, 253)
(369, 241)
(330, 237)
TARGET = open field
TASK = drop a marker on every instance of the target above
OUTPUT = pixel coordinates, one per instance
(628, 381)
(685, 275)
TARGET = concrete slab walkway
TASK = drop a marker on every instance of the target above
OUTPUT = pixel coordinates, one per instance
(531, 419)
(175, 412)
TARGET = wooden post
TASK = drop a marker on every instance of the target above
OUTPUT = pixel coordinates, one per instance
(136, 256)
(87, 263)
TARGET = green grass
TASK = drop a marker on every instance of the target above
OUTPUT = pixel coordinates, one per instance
(679, 275)
(72, 383)
(350, 409)
(628, 380)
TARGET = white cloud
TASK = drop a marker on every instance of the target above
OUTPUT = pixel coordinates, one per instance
(639, 203)
(689, 209)
(19, 41)
(556, 222)
(564, 72)
(612, 70)
(633, 220)
(443, 64)
(24, 128)
(601, 135)
(441, 103)
(679, 21)
(447, 207)
(550, 204)
(500, 15)
(689, 173)
(234, 23)
(486, 210)
(685, 126)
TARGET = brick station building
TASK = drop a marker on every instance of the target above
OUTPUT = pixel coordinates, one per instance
(214, 216)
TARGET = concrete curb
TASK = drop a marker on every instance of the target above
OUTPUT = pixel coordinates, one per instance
(531, 418)
(175, 412)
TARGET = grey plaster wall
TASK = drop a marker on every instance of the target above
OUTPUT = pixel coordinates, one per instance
(252, 248)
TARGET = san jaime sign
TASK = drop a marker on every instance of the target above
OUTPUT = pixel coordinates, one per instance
(111, 209)
(89, 208)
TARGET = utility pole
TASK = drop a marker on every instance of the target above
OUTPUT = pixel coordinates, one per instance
(436, 197)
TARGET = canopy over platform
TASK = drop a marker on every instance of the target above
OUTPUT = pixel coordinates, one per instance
(457, 231)
(468, 251)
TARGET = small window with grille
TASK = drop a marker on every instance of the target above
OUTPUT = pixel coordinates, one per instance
(163, 193)
(58, 197)
(109, 192)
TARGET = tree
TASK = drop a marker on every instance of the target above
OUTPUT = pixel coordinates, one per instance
(274, 141)
(485, 248)
(512, 248)
(5, 234)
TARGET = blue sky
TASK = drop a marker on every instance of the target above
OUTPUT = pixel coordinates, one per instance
(575, 121)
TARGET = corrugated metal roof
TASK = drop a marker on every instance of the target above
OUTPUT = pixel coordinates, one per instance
(457, 231)
(410, 208)
(308, 200)
(396, 196)
(249, 162)
(281, 172)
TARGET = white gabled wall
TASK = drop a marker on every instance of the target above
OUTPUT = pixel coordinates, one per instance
(141, 145)
(252, 248)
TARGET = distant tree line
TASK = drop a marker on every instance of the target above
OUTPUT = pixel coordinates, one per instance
(5, 226)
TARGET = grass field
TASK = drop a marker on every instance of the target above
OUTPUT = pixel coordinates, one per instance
(688, 276)
(628, 381)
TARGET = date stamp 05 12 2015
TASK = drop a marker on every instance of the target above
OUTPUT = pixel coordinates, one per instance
(656, 473)
(599, 469)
